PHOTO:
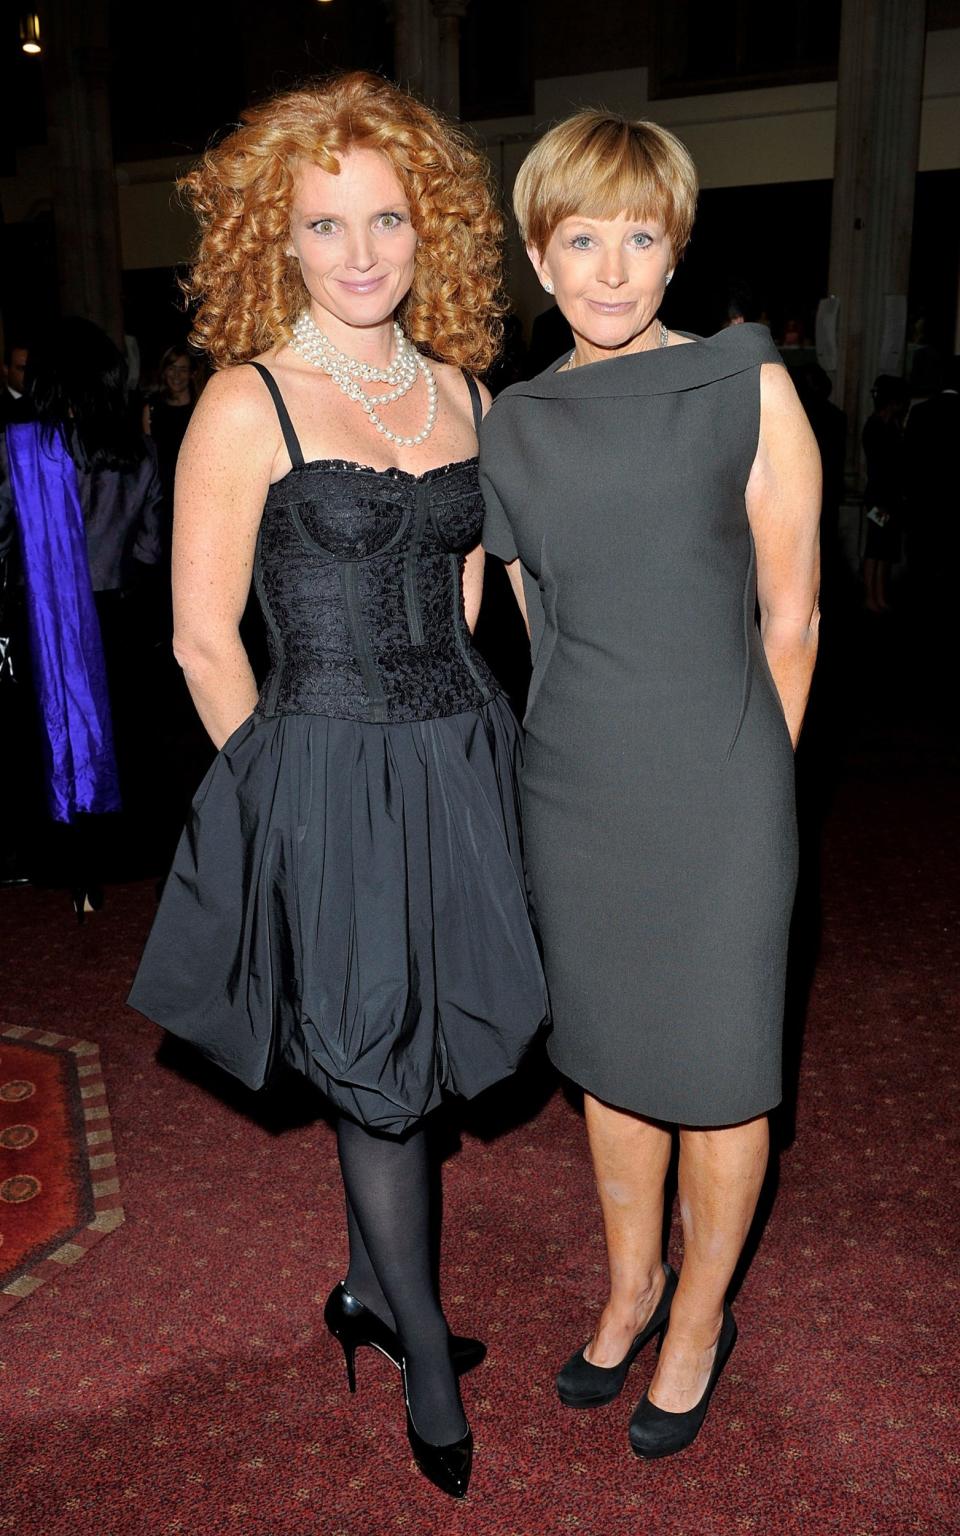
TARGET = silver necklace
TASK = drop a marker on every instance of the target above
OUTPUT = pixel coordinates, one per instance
(349, 375)
(663, 340)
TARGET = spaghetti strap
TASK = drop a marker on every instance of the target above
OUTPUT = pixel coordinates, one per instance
(475, 399)
(286, 425)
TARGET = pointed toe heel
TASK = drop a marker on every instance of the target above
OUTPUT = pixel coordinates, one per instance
(654, 1432)
(448, 1467)
(581, 1384)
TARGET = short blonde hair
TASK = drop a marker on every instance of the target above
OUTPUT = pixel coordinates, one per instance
(599, 165)
(248, 291)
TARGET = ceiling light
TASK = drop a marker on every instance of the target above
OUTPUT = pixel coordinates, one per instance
(30, 32)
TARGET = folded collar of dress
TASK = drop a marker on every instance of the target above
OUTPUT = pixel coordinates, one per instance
(659, 371)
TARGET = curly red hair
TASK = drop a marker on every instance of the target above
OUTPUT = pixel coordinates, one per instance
(249, 291)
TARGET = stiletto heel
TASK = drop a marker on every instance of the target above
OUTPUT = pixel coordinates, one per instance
(654, 1432)
(448, 1467)
(353, 1324)
(581, 1384)
(350, 1356)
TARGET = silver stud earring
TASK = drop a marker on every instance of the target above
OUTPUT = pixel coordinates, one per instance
(669, 276)
(548, 286)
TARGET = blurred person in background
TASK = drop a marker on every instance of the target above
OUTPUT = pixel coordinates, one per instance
(13, 407)
(81, 508)
(933, 499)
(883, 496)
(167, 412)
(17, 768)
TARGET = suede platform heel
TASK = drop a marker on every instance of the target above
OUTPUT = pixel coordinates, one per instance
(654, 1432)
(583, 1385)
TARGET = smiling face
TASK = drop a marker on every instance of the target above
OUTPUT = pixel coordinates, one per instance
(354, 241)
(176, 376)
(609, 277)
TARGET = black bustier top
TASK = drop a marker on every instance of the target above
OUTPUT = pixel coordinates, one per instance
(359, 575)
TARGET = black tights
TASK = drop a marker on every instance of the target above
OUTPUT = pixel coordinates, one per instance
(388, 1187)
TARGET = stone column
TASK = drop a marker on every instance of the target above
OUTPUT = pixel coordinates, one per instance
(414, 46)
(449, 14)
(879, 95)
(86, 215)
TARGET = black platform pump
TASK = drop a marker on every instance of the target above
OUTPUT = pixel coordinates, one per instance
(582, 1384)
(654, 1432)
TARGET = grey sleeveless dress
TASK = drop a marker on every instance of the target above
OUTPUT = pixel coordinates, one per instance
(349, 896)
(657, 787)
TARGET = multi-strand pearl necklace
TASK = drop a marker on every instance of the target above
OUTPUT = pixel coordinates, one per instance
(350, 375)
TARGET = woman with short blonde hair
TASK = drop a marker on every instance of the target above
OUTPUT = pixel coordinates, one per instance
(348, 899)
(647, 493)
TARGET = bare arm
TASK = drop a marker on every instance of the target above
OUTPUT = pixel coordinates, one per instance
(473, 586)
(783, 505)
(515, 576)
(223, 475)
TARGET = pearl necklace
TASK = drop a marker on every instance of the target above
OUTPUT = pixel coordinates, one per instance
(349, 375)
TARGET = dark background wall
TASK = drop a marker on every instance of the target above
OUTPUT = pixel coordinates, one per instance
(205, 61)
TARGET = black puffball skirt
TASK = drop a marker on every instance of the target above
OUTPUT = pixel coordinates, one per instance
(349, 899)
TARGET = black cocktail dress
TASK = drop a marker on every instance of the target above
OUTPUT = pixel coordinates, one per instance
(348, 896)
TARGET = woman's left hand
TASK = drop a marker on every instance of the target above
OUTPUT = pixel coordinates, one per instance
(783, 506)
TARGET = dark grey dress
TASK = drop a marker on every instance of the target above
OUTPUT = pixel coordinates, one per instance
(657, 788)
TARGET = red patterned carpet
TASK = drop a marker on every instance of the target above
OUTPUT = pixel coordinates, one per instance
(179, 1381)
(59, 1193)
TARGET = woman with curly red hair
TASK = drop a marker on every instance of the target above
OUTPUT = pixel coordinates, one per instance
(348, 898)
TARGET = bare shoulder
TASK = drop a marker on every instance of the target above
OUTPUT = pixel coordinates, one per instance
(450, 379)
(787, 453)
(780, 409)
(234, 423)
(452, 384)
(236, 397)
(777, 391)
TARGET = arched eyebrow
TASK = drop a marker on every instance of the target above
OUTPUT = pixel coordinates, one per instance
(400, 206)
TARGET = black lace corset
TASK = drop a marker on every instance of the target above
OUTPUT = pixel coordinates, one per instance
(359, 575)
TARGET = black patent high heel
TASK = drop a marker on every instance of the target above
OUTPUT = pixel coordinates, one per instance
(448, 1467)
(654, 1432)
(581, 1384)
(353, 1324)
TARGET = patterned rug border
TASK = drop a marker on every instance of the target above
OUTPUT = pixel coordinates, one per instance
(101, 1162)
